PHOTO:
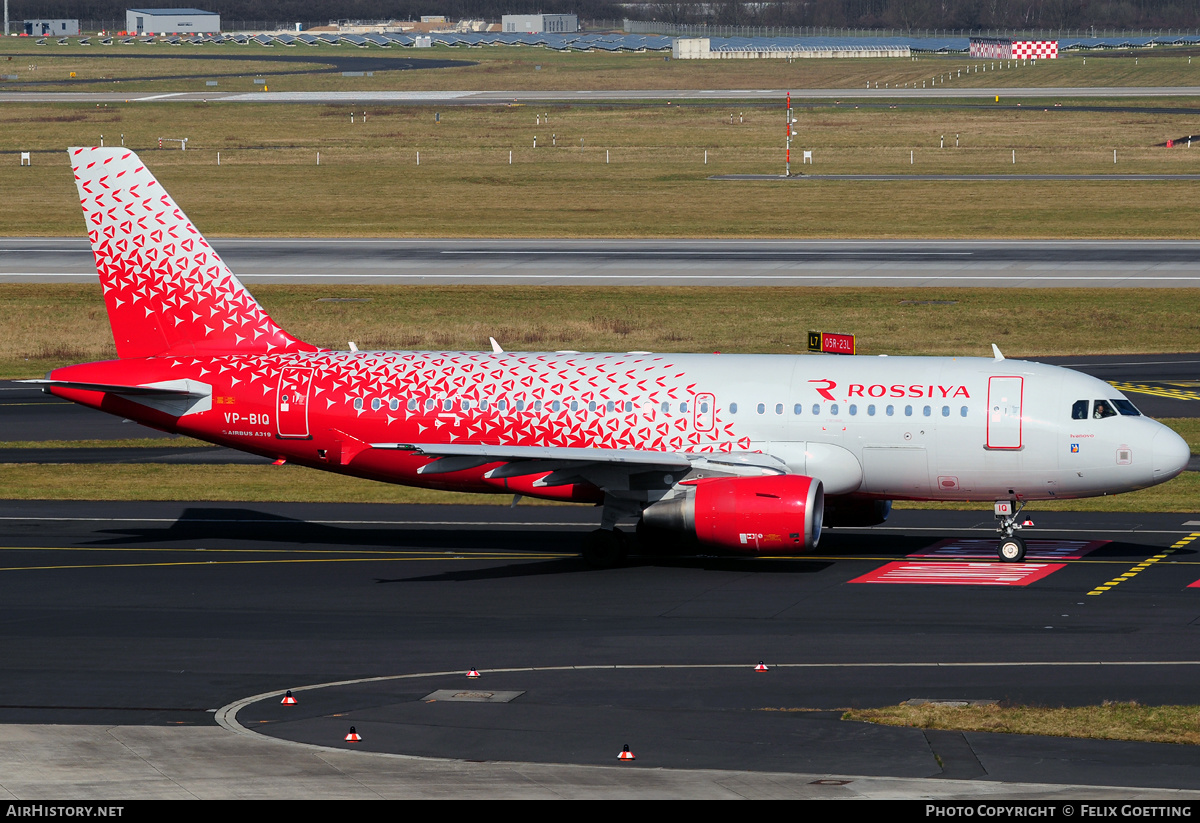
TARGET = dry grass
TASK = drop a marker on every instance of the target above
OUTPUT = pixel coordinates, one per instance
(514, 68)
(1109, 721)
(249, 484)
(54, 325)
(655, 184)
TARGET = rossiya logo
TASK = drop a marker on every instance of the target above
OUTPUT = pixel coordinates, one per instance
(896, 390)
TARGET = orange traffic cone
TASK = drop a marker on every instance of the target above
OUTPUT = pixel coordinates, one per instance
(626, 754)
(473, 673)
(761, 667)
(288, 700)
(353, 737)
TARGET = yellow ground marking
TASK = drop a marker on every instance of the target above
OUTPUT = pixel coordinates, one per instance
(1157, 391)
(1145, 564)
(357, 557)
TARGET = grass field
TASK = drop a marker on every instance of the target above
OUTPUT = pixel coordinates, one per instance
(1108, 721)
(47, 326)
(132, 68)
(612, 170)
(616, 171)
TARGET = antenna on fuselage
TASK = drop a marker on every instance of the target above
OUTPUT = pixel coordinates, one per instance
(353, 346)
(496, 346)
(996, 352)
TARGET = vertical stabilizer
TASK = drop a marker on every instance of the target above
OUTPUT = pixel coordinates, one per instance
(167, 291)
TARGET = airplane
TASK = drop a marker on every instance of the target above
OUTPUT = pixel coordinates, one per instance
(753, 454)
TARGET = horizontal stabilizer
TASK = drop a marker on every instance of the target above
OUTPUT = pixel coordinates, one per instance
(174, 397)
(112, 388)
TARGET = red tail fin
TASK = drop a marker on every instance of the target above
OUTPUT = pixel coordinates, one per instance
(166, 290)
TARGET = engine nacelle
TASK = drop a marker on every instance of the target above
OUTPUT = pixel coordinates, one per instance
(758, 515)
(848, 512)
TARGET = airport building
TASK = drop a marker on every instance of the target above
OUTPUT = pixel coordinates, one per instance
(540, 23)
(1003, 48)
(701, 48)
(52, 28)
(172, 21)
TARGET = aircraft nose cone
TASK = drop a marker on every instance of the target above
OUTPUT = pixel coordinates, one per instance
(1171, 455)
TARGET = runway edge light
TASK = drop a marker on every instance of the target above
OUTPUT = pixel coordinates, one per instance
(288, 700)
(761, 667)
(353, 736)
(626, 754)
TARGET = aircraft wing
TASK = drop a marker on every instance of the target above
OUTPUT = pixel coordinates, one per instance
(614, 464)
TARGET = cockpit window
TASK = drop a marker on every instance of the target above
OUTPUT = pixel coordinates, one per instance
(1079, 410)
(1125, 407)
(1103, 408)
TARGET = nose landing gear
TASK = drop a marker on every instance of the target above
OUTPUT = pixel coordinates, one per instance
(1012, 548)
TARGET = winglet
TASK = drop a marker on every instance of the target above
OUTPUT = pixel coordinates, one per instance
(996, 352)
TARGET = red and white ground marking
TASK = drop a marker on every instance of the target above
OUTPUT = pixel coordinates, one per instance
(985, 549)
(961, 574)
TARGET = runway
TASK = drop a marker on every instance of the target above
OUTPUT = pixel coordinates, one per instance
(175, 617)
(894, 263)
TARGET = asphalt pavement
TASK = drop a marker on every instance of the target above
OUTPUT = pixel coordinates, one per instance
(884, 263)
(190, 621)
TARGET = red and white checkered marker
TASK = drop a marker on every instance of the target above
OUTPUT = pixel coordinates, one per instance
(288, 700)
(353, 736)
(473, 673)
(761, 667)
(626, 754)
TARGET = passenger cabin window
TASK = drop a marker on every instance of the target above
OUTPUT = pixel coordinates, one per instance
(1079, 410)
(733, 408)
(1102, 409)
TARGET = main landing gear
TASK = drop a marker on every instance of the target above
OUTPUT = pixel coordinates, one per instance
(1012, 548)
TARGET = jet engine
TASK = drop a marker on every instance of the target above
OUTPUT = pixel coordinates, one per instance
(756, 515)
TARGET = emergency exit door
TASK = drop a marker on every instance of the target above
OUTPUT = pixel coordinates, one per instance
(292, 411)
(1005, 398)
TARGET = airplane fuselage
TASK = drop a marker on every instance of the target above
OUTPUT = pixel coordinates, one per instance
(884, 427)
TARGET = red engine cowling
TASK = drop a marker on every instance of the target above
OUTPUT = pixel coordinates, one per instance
(758, 515)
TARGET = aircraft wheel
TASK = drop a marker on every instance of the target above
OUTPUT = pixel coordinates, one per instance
(1012, 550)
(604, 549)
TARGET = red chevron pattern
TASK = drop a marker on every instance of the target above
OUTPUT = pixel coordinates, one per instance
(166, 290)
